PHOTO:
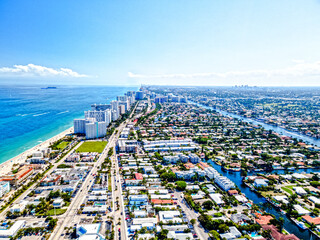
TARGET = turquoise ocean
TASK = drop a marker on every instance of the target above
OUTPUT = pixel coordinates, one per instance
(31, 114)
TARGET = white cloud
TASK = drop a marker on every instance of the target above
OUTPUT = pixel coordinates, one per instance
(298, 61)
(37, 70)
(301, 71)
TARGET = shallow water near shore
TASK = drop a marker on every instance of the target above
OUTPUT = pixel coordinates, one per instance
(30, 115)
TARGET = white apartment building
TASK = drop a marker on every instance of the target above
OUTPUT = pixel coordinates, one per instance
(168, 216)
(183, 158)
(194, 158)
(115, 110)
(171, 159)
(90, 127)
(187, 175)
(100, 107)
(224, 182)
(8, 233)
(122, 109)
(138, 199)
(127, 146)
(99, 116)
(95, 130)
(4, 188)
(170, 145)
(79, 125)
(211, 172)
(122, 98)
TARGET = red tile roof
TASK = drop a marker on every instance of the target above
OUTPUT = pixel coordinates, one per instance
(263, 219)
(138, 176)
(232, 192)
(203, 165)
(23, 173)
(309, 219)
(159, 201)
(277, 235)
(188, 165)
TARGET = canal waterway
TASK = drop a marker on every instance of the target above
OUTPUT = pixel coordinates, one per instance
(262, 202)
(279, 130)
(257, 199)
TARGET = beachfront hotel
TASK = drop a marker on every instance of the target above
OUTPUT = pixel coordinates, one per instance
(91, 128)
(100, 116)
(97, 119)
(19, 177)
(95, 129)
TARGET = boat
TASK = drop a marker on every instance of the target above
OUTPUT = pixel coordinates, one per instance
(50, 88)
(300, 224)
(234, 169)
(258, 170)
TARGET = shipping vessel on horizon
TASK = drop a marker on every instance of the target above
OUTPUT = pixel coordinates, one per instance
(49, 88)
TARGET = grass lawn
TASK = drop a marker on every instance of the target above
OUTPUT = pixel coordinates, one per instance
(58, 211)
(271, 193)
(92, 147)
(288, 190)
(62, 145)
(109, 183)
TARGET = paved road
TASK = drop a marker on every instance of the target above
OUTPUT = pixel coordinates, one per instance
(22, 196)
(118, 193)
(118, 196)
(191, 214)
(70, 214)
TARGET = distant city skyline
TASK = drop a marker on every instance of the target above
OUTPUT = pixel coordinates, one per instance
(204, 43)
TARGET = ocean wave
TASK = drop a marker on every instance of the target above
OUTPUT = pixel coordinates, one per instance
(36, 115)
(63, 112)
(22, 115)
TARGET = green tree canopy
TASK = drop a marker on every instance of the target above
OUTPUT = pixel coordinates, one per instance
(181, 185)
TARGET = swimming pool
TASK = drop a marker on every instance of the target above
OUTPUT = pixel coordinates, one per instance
(99, 204)
(255, 234)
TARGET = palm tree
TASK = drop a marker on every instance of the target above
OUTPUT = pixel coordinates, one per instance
(312, 226)
(281, 222)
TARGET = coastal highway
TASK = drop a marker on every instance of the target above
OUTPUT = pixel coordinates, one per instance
(69, 215)
(22, 196)
(117, 195)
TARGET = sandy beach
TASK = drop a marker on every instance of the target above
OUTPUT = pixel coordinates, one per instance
(6, 167)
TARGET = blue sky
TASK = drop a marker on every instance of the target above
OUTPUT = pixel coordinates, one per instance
(128, 42)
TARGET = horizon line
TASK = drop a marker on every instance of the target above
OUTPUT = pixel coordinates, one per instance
(154, 85)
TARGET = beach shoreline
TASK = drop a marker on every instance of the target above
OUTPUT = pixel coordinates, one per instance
(6, 166)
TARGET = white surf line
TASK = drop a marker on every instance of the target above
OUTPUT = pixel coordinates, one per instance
(36, 115)
(63, 112)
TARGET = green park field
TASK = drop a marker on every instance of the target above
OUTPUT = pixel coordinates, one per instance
(92, 147)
